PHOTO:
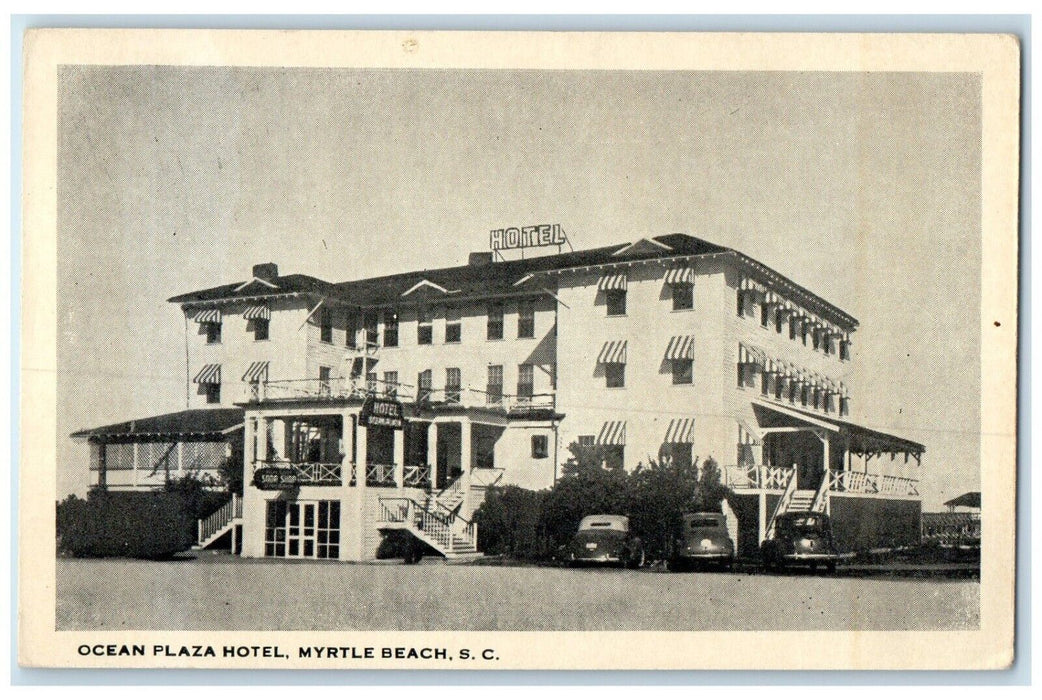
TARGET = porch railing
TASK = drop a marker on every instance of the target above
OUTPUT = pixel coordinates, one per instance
(379, 475)
(446, 532)
(868, 483)
(756, 476)
(308, 473)
(418, 475)
(219, 519)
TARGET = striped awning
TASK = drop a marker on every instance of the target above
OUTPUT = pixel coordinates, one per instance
(260, 311)
(749, 355)
(787, 307)
(615, 280)
(748, 284)
(613, 353)
(613, 432)
(680, 275)
(772, 298)
(681, 347)
(747, 436)
(208, 316)
(209, 374)
(256, 372)
(681, 430)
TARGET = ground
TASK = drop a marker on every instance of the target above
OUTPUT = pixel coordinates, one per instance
(227, 593)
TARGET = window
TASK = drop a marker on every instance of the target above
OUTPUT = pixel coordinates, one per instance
(372, 333)
(585, 441)
(390, 329)
(323, 380)
(325, 321)
(826, 343)
(792, 392)
(540, 447)
(495, 321)
(793, 322)
(615, 375)
(260, 328)
(803, 331)
(804, 395)
(494, 388)
(526, 319)
(815, 337)
(525, 381)
(352, 330)
(453, 325)
(290, 529)
(678, 453)
(213, 393)
(371, 383)
(764, 378)
(391, 384)
(765, 314)
(779, 320)
(844, 406)
(452, 385)
(844, 350)
(779, 388)
(746, 375)
(741, 302)
(213, 332)
(424, 327)
(683, 296)
(683, 371)
(616, 301)
(423, 385)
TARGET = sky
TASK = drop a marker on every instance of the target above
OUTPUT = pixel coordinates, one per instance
(864, 188)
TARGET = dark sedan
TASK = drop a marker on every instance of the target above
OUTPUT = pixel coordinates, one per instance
(704, 540)
(604, 540)
(800, 539)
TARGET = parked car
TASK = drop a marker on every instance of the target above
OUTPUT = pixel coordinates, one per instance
(605, 540)
(800, 539)
(704, 540)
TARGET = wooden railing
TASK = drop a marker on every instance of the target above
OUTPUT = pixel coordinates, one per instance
(783, 503)
(219, 519)
(821, 498)
(417, 475)
(756, 476)
(445, 532)
(874, 484)
(308, 473)
(379, 475)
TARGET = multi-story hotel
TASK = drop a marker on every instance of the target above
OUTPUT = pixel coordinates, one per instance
(392, 403)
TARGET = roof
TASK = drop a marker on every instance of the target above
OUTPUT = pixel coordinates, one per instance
(970, 499)
(503, 277)
(949, 519)
(253, 288)
(862, 440)
(202, 422)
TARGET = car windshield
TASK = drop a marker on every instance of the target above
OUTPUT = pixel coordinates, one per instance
(804, 523)
(605, 522)
(702, 523)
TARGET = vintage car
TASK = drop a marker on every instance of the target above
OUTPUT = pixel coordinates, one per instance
(800, 539)
(604, 540)
(703, 540)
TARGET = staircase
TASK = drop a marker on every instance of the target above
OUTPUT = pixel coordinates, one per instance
(795, 500)
(446, 531)
(219, 523)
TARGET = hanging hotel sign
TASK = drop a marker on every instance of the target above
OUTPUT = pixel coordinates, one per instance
(538, 236)
(383, 413)
(275, 478)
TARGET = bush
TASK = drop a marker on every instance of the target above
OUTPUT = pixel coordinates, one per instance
(153, 525)
(509, 523)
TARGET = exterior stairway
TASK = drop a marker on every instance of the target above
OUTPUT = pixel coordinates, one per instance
(446, 531)
(795, 500)
(222, 521)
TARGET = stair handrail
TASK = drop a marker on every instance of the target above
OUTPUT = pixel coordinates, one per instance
(783, 503)
(219, 519)
(820, 502)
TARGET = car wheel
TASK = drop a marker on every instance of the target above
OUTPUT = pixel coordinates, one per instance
(637, 560)
(831, 567)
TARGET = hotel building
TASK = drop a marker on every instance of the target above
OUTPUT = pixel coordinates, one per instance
(393, 403)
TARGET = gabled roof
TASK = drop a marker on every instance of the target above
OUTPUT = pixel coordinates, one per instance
(202, 422)
(966, 500)
(255, 287)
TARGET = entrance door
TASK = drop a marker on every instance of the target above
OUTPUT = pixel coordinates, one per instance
(300, 530)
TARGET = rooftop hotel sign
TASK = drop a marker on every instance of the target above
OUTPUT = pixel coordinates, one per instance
(527, 237)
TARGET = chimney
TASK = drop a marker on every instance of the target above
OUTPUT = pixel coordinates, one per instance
(480, 258)
(266, 271)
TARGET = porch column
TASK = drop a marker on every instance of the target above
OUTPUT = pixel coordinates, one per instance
(465, 462)
(347, 448)
(361, 459)
(761, 524)
(399, 458)
(432, 453)
(249, 449)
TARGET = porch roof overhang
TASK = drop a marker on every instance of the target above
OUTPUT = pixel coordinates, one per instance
(198, 424)
(860, 440)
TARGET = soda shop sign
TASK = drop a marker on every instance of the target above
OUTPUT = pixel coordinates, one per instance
(275, 478)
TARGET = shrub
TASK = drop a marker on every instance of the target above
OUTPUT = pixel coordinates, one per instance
(509, 522)
(152, 525)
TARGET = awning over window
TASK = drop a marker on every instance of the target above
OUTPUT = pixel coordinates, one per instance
(680, 275)
(772, 298)
(749, 355)
(612, 281)
(209, 374)
(613, 353)
(681, 430)
(208, 316)
(612, 433)
(750, 285)
(681, 347)
(261, 311)
(747, 436)
(256, 372)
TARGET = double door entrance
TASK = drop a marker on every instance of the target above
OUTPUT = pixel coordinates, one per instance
(302, 529)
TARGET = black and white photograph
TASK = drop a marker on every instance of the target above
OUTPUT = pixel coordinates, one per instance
(346, 351)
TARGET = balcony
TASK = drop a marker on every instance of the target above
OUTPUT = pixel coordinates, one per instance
(306, 473)
(757, 477)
